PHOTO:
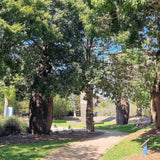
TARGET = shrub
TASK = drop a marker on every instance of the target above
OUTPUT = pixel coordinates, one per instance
(11, 126)
(1, 131)
(24, 126)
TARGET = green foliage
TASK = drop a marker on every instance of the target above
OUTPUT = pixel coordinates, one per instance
(24, 107)
(62, 107)
(8, 91)
(141, 96)
(12, 126)
(2, 131)
(24, 126)
(103, 104)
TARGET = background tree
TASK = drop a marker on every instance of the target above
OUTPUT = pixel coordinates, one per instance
(143, 33)
(99, 27)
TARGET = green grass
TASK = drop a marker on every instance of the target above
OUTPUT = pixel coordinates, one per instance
(129, 128)
(129, 147)
(124, 128)
(123, 149)
(63, 123)
(30, 151)
(153, 143)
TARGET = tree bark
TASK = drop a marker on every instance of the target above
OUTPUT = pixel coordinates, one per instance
(40, 114)
(139, 110)
(6, 104)
(155, 100)
(155, 108)
(41, 102)
(122, 112)
(89, 112)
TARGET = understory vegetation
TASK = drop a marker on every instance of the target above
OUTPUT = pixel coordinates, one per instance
(12, 126)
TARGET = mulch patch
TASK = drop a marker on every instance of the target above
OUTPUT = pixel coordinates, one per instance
(150, 133)
(29, 138)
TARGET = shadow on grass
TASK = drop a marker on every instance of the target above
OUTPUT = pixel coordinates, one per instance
(154, 139)
(31, 151)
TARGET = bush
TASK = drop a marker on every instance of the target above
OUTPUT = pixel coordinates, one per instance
(1, 131)
(24, 126)
(11, 126)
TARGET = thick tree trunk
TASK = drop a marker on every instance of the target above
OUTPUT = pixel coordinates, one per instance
(89, 112)
(139, 110)
(155, 101)
(155, 108)
(40, 114)
(122, 112)
(6, 104)
(41, 103)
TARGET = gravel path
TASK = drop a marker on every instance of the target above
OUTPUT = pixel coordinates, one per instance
(88, 149)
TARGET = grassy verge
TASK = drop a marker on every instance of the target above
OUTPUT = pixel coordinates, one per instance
(31, 151)
(123, 149)
(132, 146)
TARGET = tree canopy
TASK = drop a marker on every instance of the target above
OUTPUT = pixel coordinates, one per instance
(69, 46)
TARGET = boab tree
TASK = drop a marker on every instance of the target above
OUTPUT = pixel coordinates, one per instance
(143, 33)
(117, 85)
(47, 47)
(59, 47)
(100, 24)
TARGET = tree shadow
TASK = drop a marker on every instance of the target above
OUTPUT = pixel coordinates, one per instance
(108, 119)
(154, 139)
(28, 151)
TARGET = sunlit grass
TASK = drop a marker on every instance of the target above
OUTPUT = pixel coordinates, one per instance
(63, 123)
(30, 151)
(130, 128)
(123, 149)
(132, 146)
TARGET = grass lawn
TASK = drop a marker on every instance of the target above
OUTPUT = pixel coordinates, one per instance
(123, 149)
(132, 146)
(30, 151)
(124, 128)
(63, 123)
